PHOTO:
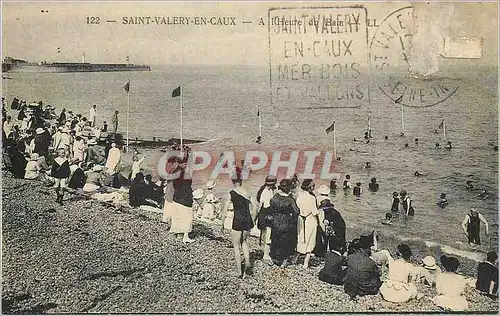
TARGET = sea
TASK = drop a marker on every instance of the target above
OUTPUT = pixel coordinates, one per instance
(220, 105)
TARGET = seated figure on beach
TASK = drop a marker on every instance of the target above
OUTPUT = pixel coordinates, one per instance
(77, 179)
(382, 257)
(138, 194)
(428, 271)
(362, 274)
(334, 270)
(33, 168)
(450, 286)
(442, 202)
(487, 275)
(399, 286)
(94, 179)
(448, 145)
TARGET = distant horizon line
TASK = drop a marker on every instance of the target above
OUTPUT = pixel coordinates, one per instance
(263, 65)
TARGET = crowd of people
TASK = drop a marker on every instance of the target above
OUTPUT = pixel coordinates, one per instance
(62, 151)
(296, 221)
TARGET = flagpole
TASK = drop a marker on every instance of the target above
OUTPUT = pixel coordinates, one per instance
(260, 123)
(369, 126)
(334, 142)
(128, 116)
(181, 115)
(402, 120)
(444, 130)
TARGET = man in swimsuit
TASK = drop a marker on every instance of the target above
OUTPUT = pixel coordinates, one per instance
(471, 226)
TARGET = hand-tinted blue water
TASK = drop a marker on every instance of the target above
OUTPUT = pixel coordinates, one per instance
(221, 104)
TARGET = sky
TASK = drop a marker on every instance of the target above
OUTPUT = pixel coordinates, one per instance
(59, 32)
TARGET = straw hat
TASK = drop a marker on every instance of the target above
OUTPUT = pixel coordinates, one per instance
(98, 168)
(270, 179)
(65, 129)
(92, 142)
(324, 189)
(35, 156)
(210, 184)
(429, 263)
(39, 131)
(197, 194)
(210, 198)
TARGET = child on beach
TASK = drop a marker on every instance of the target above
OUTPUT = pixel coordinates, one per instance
(197, 203)
(211, 201)
(60, 173)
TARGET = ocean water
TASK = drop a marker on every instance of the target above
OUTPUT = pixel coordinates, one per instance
(220, 106)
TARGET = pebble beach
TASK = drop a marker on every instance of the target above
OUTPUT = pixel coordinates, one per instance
(92, 257)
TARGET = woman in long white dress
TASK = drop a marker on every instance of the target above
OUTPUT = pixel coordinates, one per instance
(113, 160)
(306, 237)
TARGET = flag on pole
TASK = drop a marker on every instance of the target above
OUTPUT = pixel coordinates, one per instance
(442, 124)
(258, 112)
(176, 92)
(127, 86)
(331, 128)
(398, 100)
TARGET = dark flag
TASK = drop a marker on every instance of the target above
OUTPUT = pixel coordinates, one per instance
(398, 100)
(442, 124)
(331, 128)
(176, 92)
(127, 86)
(258, 112)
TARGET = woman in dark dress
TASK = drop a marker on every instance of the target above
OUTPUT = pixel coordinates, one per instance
(243, 222)
(334, 226)
(284, 213)
(60, 172)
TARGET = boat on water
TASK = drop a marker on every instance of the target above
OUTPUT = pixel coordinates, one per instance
(10, 64)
